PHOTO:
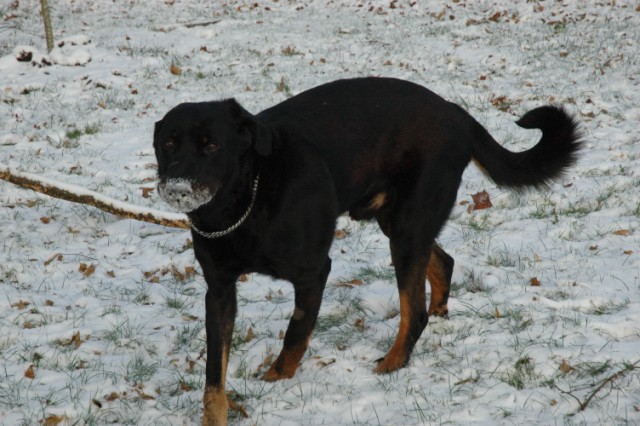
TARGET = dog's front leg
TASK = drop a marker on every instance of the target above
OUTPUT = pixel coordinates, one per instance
(220, 305)
(308, 296)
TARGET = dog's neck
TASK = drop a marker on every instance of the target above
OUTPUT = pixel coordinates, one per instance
(236, 225)
(230, 208)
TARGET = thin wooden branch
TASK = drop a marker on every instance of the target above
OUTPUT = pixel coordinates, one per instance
(608, 380)
(81, 195)
(46, 17)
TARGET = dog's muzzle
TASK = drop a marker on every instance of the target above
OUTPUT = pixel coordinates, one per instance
(183, 195)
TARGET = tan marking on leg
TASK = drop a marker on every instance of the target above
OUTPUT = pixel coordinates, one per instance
(285, 366)
(216, 404)
(412, 302)
(298, 314)
(216, 407)
(397, 356)
(439, 287)
(378, 200)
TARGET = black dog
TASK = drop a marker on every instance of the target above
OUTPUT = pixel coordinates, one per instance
(264, 191)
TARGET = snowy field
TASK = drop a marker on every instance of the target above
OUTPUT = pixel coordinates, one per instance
(101, 319)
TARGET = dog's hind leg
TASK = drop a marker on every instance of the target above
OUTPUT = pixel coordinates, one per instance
(439, 273)
(411, 273)
(412, 223)
(308, 296)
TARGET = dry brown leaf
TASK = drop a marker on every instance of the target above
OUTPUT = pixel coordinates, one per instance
(52, 420)
(87, 271)
(146, 192)
(250, 335)
(243, 278)
(175, 69)
(30, 373)
(497, 313)
(324, 362)
(45, 220)
(112, 396)
(565, 367)
(623, 232)
(75, 340)
(535, 282)
(21, 304)
(48, 302)
(143, 395)
(179, 276)
(628, 252)
(481, 200)
(353, 283)
(340, 234)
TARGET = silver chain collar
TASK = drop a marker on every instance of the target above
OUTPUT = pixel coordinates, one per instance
(217, 234)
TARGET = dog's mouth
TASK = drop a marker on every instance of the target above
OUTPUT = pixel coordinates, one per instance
(185, 195)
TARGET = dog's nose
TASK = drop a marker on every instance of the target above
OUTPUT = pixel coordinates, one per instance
(176, 191)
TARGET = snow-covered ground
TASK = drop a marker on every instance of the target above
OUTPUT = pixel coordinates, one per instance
(101, 319)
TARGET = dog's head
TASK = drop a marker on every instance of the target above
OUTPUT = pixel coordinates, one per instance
(203, 147)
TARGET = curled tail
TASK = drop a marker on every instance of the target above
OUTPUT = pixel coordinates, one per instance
(556, 151)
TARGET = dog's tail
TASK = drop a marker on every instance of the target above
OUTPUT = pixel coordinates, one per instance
(537, 167)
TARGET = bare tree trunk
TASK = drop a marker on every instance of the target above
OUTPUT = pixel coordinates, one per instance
(84, 196)
(46, 17)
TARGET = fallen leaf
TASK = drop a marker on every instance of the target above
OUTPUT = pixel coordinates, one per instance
(190, 271)
(340, 234)
(112, 396)
(30, 373)
(243, 278)
(52, 420)
(353, 283)
(143, 395)
(45, 219)
(628, 252)
(174, 69)
(146, 192)
(250, 335)
(21, 304)
(535, 282)
(497, 313)
(323, 363)
(75, 340)
(565, 367)
(481, 201)
(179, 276)
(87, 270)
(623, 232)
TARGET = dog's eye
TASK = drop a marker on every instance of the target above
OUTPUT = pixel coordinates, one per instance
(169, 145)
(210, 148)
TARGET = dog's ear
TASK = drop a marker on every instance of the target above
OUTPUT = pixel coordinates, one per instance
(261, 138)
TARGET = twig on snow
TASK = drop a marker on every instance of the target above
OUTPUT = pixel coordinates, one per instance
(81, 195)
